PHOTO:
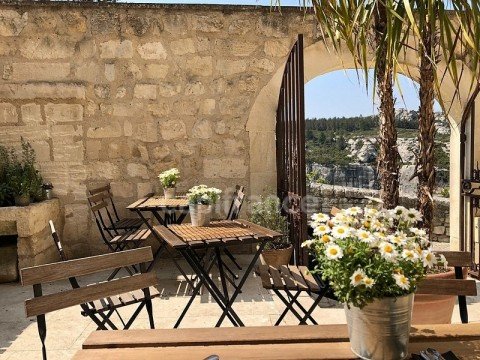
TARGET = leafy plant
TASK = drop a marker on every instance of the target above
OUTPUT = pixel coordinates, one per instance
(203, 195)
(445, 192)
(169, 178)
(369, 254)
(267, 213)
(19, 176)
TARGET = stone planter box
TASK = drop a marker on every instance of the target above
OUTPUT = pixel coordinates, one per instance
(30, 224)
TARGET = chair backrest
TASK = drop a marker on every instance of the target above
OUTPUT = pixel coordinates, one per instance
(38, 275)
(237, 202)
(41, 304)
(103, 209)
(106, 190)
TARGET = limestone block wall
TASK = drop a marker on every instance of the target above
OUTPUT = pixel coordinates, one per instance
(324, 197)
(120, 92)
(35, 245)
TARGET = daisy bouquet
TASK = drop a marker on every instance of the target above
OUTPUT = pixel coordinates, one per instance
(367, 254)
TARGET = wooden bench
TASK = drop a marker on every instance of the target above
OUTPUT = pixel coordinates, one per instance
(98, 301)
(265, 342)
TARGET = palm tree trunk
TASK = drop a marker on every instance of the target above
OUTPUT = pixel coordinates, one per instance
(388, 158)
(426, 128)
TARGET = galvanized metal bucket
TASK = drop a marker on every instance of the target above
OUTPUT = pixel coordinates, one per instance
(169, 193)
(380, 331)
(200, 214)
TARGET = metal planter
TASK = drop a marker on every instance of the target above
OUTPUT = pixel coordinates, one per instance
(169, 193)
(381, 330)
(200, 214)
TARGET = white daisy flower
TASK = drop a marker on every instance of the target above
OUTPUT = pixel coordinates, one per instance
(398, 238)
(370, 212)
(409, 255)
(365, 236)
(308, 243)
(402, 281)
(387, 250)
(357, 277)
(414, 215)
(326, 239)
(428, 258)
(418, 232)
(368, 282)
(334, 252)
(319, 217)
(400, 212)
(353, 211)
(321, 229)
(340, 232)
(443, 260)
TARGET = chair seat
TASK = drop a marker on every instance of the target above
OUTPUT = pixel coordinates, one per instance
(291, 277)
(121, 300)
(132, 236)
(126, 224)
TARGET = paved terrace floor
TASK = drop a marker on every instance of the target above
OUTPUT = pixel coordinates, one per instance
(67, 329)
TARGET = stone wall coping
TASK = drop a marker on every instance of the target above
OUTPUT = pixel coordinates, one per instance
(351, 192)
(203, 7)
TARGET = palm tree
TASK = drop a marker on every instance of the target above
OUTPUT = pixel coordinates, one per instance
(442, 35)
(366, 26)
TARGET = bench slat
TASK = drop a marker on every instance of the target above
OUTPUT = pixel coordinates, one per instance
(84, 266)
(53, 302)
(456, 258)
(447, 287)
(265, 276)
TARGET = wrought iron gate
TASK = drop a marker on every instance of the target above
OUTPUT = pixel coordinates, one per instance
(290, 131)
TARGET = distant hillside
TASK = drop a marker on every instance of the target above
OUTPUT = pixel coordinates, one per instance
(341, 141)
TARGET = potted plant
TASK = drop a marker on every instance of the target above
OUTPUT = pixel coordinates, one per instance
(373, 260)
(201, 199)
(169, 179)
(267, 213)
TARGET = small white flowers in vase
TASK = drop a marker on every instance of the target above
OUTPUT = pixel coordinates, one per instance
(201, 199)
(373, 260)
(169, 180)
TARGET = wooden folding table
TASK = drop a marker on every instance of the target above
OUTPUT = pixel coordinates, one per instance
(166, 212)
(266, 343)
(188, 239)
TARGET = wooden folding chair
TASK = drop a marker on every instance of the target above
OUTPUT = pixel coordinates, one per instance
(293, 281)
(115, 224)
(99, 300)
(115, 238)
(233, 213)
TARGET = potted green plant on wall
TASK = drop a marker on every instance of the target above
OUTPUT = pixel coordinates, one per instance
(267, 213)
(201, 199)
(22, 181)
(169, 180)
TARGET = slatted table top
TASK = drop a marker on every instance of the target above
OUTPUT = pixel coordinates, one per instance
(283, 342)
(227, 232)
(158, 202)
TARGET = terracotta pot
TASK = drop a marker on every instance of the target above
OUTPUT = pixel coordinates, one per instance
(275, 257)
(434, 309)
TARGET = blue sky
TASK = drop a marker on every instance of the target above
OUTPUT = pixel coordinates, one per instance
(332, 95)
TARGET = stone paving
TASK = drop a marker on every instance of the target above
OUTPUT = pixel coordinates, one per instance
(67, 329)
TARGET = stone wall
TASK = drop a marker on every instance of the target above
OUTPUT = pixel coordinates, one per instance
(120, 92)
(327, 196)
(35, 245)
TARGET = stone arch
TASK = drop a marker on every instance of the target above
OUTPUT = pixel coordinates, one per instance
(318, 61)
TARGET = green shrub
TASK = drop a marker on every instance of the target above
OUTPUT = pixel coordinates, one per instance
(267, 213)
(19, 176)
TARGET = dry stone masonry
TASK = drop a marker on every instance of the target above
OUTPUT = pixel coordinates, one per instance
(121, 92)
